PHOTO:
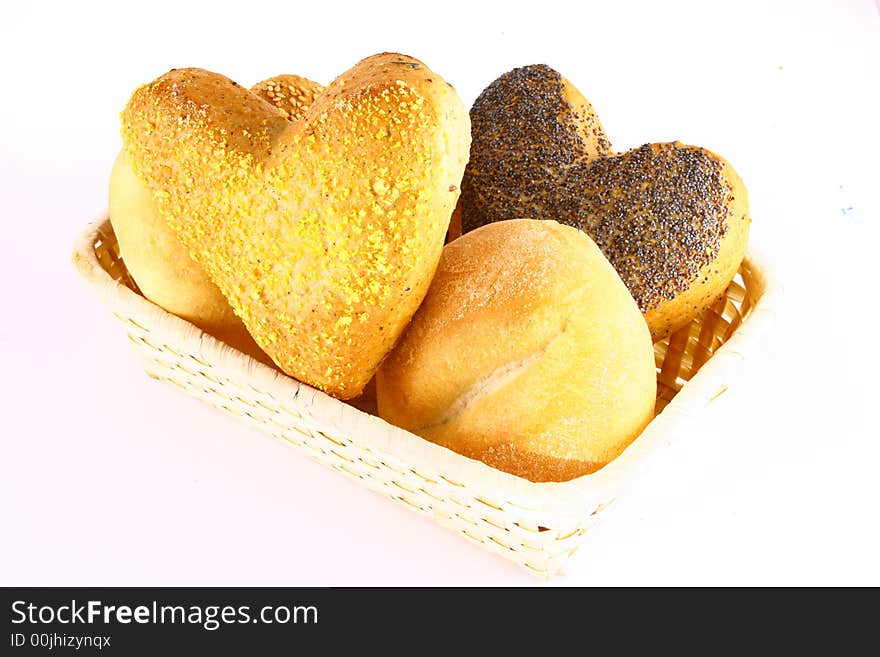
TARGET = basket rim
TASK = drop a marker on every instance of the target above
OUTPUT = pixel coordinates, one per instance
(567, 498)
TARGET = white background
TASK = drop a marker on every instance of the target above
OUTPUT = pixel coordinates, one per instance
(110, 478)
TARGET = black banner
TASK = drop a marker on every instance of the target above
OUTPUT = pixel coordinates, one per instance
(270, 621)
(170, 621)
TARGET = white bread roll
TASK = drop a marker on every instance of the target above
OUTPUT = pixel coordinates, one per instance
(528, 353)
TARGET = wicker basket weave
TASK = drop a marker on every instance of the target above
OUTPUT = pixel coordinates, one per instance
(537, 525)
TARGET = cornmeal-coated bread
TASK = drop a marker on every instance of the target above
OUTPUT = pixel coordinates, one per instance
(528, 353)
(322, 233)
(155, 258)
(671, 218)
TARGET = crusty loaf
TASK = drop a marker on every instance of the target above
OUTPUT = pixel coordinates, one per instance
(528, 353)
(323, 233)
(671, 218)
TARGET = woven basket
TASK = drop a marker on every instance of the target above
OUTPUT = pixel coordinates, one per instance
(537, 525)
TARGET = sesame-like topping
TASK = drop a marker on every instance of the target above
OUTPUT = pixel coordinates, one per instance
(291, 94)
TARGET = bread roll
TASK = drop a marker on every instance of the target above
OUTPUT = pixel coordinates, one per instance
(162, 267)
(672, 219)
(528, 353)
(676, 229)
(323, 233)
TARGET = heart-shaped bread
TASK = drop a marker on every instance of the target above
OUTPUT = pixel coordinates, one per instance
(155, 258)
(323, 233)
(672, 219)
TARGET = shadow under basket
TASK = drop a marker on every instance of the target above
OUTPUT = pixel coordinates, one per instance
(537, 525)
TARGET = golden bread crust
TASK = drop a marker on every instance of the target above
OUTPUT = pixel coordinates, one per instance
(323, 233)
(293, 94)
(528, 352)
(159, 263)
